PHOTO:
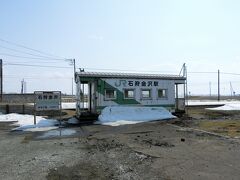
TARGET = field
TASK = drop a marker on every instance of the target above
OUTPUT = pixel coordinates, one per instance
(201, 145)
(225, 123)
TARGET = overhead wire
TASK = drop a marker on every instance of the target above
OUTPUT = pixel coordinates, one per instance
(190, 72)
(25, 77)
(237, 74)
(127, 70)
(32, 49)
(25, 57)
(15, 50)
(31, 62)
(42, 66)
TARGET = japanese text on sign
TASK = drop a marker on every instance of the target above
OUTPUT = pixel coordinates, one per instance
(136, 83)
(45, 100)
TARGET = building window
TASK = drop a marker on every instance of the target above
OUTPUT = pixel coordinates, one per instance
(40, 97)
(162, 93)
(110, 94)
(129, 94)
(146, 93)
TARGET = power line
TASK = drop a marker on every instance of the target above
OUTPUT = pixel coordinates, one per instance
(42, 66)
(197, 72)
(23, 46)
(32, 62)
(15, 50)
(191, 72)
(127, 70)
(230, 73)
(27, 77)
(25, 57)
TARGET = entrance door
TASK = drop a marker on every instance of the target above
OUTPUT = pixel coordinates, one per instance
(180, 97)
(92, 97)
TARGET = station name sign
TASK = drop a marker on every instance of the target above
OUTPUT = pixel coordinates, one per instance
(134, 83)
(47, 100)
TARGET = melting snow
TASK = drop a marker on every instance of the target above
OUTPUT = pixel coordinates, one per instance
(26, 122)
(119, 115)
(73, 120)
(228, 105)
(198, 103)
(71, 105)
(56, 133)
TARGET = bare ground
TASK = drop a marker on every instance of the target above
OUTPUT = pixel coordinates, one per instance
(153, 150)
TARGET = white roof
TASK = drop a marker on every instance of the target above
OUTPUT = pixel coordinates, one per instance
(129, 75)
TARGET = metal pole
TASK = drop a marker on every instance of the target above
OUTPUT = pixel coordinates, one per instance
(60, 109)
(218, 85)
(210, 89)
(72, 90)
(74, 66)
(1, 79)
(34, 108)
(74, 76)
(83, 96)
(186, 85)
(22, 82)
(177, 96)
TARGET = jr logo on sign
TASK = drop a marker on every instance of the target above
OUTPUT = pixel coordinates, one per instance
(121, 83)
(147, 83)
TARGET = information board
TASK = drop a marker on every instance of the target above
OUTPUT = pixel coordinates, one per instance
(47, 100)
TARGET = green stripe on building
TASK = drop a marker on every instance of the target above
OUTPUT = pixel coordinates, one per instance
(102, 85)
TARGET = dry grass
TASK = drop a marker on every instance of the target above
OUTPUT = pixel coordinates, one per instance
(225, 127)
(221, 122)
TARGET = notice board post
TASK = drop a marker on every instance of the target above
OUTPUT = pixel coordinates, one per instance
(47, 101)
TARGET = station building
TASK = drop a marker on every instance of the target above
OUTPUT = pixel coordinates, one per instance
(96, 90)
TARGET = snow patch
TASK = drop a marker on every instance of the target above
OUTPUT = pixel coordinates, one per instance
(69, 105)
(65, 105)
(211, 102)
(199, 103)
(26, 122)
(119, 115)
(59, 132)
(73, 120)
(227, 107)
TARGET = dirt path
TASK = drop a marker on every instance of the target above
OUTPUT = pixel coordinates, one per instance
(153, 150)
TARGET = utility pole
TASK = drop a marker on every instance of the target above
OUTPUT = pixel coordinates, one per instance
(72, 89)
(210, 89)
(1, 79)
(231, 91)
(218, 85)
(74, 66)
(22, 86)
(185, 68)
(73, 63)
(74, 76)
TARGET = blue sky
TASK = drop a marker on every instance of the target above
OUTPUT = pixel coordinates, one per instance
(153, 35)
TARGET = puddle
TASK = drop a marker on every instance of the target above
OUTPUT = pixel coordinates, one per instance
(57, 133)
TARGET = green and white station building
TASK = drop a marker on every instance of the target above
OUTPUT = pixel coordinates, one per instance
(96, 90)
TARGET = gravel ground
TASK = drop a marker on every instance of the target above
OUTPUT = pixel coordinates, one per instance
(153, 150)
